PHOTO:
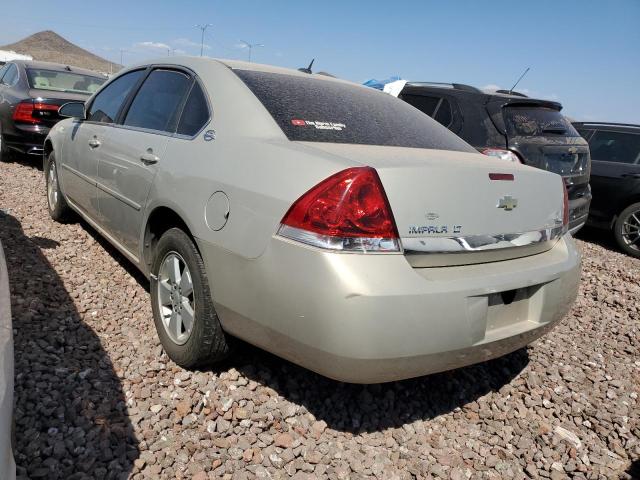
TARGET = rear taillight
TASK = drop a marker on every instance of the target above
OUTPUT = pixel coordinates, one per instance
(502, 154)
(29, 111)
(565, 207)
(348, 211)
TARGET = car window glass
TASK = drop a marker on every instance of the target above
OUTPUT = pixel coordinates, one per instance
(311, 109)
(195, 113)
(2, 71)
(157, 103)
(107, 103)
(535, 121)
(11, 75)
(59, 81)
(443, 114)
(615, 147)
(424, 103)
(584, 133)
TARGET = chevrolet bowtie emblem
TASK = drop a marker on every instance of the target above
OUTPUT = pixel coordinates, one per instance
(507, 202)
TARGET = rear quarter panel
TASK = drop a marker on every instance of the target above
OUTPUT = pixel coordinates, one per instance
(250, 160)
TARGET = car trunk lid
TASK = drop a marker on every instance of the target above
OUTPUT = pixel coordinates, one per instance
(455, 208)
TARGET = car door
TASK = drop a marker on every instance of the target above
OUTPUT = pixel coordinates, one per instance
(85, 141)
(615, 170)
(134, 151)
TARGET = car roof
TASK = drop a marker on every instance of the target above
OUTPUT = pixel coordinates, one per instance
(194, 62)
(460, 89)
(58, 67)
(630, 126)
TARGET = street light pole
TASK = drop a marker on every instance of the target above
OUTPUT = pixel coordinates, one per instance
(203, 28)
(250, 47)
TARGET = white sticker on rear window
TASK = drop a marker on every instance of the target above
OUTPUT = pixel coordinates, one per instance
(318, 125)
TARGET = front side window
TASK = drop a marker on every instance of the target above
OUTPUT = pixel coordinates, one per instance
(314, 110)
(157, 103)
(107, 104)
(63, 81)
(195, 114)
(615, 147)
(11, 75)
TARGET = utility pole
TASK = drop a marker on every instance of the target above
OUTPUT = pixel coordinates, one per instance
(203, 28)
(250, 47)
(122, 50)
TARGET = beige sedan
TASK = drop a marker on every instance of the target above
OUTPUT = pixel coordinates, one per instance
(329, 223)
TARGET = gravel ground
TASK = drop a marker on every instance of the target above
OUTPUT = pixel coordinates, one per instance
(97, 398)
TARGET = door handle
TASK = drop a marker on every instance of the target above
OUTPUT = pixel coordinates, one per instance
(631, 175)
(149, 158)
(94, 142)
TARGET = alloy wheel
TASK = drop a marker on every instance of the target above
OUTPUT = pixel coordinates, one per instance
(176, 301)
(631, 230)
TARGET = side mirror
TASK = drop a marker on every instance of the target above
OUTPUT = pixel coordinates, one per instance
(73, 110)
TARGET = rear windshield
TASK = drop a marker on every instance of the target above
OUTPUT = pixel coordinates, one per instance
(63, 81)
(528, 121)
(315, 110)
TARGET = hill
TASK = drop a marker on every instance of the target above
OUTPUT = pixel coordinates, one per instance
(48, 46)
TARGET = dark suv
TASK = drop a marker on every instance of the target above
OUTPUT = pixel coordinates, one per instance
(615, 179)
(514, 127)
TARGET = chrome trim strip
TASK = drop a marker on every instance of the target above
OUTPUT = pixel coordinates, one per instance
(480, 243)
(119, 196)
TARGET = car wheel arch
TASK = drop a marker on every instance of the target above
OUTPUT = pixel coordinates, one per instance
(160, 219)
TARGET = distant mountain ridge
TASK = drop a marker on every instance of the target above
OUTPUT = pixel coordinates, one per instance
(48, 46)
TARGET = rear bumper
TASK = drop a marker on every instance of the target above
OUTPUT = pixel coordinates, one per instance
(374, 318)
(27, 139)
(578, 212)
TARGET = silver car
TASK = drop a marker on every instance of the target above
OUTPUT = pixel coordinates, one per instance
(326, 222)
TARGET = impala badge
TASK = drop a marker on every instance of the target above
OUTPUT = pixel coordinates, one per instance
(507, 202)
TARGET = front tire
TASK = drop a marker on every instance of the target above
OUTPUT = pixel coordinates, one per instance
(627, 230)
(58, 208)
(183, 312)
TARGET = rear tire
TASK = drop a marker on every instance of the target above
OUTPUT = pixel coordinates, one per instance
(627, 230)
(58, 208)
(183, 311)
(5, 154)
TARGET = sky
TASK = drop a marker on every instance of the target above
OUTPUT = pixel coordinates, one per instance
(584, 54)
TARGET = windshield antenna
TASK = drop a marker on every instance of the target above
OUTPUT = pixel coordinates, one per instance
(521, 77)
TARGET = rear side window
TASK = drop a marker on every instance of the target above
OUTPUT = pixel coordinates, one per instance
(107, 103)
(615, 147)
(195, 114)
(314, 110)
(533, 121)
(436, 107)
(424, 103)
(584, 133)
(157, 104)
(443, 113)
(11, 75)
